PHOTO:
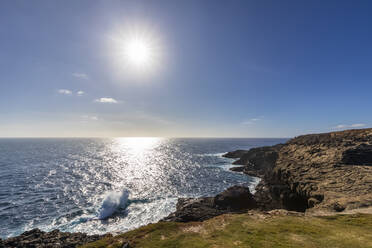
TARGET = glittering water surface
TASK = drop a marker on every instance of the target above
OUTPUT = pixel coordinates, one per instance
(108, 185)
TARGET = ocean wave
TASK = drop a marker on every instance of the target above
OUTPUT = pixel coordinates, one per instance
(254, 183)
(219, 154)
(112, 203)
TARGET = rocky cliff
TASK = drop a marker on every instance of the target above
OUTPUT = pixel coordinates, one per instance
(316, 172)
(319, 173)
(256, 161)
(236, 199)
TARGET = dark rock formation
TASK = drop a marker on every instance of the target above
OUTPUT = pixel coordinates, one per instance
(39, 239)
(360, 155)
(235, 154)
(256, 161)
(236, 198)
(233, 200)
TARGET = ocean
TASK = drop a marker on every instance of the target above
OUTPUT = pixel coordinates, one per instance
(100, 185)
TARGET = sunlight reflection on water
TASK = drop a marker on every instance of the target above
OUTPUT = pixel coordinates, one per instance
(61, 183)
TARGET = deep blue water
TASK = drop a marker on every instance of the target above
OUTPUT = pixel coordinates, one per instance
(109, 185)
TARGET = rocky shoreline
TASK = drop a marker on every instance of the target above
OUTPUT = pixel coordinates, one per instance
(236, 199)
(316, 173)
(39, 239)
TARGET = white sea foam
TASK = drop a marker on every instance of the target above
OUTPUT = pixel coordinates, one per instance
(219, 154)
(253, 185)
(112, 203)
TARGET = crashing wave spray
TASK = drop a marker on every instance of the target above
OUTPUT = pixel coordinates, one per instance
(112, 202)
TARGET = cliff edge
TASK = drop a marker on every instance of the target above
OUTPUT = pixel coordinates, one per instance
(316, 173)
(329, 172)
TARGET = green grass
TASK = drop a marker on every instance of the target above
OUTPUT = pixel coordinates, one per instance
(244, 230)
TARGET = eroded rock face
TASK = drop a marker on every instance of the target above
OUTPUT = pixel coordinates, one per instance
(256, 161)
(313, 172)
(328, 172)
(317, 172)
(233, 200)
(38, 239)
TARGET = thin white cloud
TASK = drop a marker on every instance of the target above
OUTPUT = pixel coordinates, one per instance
(90, 117)
(340, 126)
(80, 75)
(80, 93)
(64, 91)
(251, 121)
(344, 126)
(359, 125)
(106, 100)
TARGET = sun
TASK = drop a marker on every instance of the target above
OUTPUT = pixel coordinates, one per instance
(138, 52)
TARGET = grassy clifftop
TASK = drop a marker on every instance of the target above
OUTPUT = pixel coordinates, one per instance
(252, 230)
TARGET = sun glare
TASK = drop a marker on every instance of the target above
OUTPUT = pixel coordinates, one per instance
(138, 52)
(137, 145)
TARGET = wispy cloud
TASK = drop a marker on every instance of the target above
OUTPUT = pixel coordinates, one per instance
(106, 100)
(80, 93)
(359, 125)
(344, 126)
(80, 75)
(90, 117)
(64, 91)
(251, 121)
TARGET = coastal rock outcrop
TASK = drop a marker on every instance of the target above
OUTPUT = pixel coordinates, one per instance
(36, 238)
(316, 172)
(331, 171)
(235, 154)
(255, 161)
(233, 200)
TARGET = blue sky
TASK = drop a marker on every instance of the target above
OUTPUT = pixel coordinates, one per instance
(223, 68)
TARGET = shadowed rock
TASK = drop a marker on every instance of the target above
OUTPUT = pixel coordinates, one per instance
(256, 161)
(360, 155)
(233, 200)
(38, 239)
(235, 154)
